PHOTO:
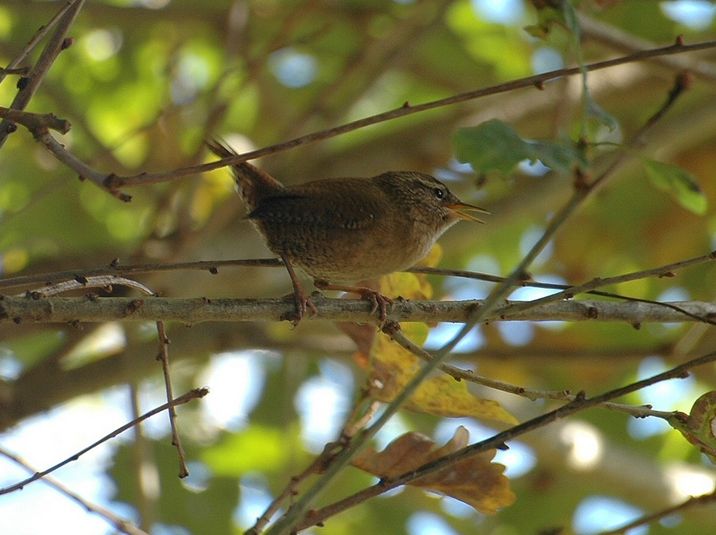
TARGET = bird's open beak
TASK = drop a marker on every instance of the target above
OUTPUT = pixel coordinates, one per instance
(463, 211)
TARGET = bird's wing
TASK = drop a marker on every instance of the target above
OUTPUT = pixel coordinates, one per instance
(326, 209)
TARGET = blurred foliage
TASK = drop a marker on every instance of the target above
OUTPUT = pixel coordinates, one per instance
(146, 82)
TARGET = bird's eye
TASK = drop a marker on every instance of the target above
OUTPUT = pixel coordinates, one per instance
(439, 193)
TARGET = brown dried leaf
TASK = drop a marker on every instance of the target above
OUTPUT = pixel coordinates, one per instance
(476, 481)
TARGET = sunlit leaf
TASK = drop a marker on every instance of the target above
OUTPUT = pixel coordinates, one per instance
(392, 367)
(476, 481)
(699, 426)
(678, 182)
(255, 448)
(547, 17)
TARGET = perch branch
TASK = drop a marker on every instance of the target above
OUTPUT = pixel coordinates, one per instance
(34, 308)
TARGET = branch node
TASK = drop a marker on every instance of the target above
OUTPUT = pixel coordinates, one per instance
(133, 306)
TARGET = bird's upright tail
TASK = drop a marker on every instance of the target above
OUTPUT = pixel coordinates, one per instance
(253, 183)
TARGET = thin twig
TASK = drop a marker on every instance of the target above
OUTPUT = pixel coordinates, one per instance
(85, 283)
(625, 42)
(212, 266)
(115, 181)
(556, 395)
(357, 420)
(164, 358)
(499, 440)
(667, 270)
(35, 121)
(107, 281)
(120, 524)
(467, 375)
(84, 171)
(52, 49)
(184, 398)
(694, 501)
(13, 66)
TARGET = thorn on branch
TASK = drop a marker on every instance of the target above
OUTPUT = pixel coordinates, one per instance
(67, 42)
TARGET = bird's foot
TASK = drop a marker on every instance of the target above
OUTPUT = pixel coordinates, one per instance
(379, 301)
(303, 304)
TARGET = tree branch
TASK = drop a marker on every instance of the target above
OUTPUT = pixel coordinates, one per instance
(54, 46)
(196, 393)
(114, 182)
(499, 440)
(91, 309)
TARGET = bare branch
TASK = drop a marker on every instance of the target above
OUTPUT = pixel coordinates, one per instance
(196, 393)
(116, 181)
(34, 78)
(499, 440)
(120, 524)
(13, 66)
(694, 501)
(35, 121)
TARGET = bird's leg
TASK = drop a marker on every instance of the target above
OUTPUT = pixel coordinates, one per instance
(302, 302)
(380, 302)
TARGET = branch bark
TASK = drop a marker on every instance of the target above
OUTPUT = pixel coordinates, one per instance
(31, 308)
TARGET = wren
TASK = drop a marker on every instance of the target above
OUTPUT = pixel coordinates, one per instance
(347, 229)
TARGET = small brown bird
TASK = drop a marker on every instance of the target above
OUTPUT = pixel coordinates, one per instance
(347, 229)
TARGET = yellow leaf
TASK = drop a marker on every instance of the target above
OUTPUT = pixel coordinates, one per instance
(476, 481)
(393, 367)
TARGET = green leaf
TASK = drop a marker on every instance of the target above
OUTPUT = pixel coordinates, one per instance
(597, 113)
(699, 427)
(491, 146)
(495, 146)
(680, 183)
(547, 17)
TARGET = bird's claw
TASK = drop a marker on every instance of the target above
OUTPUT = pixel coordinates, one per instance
(303, 305)
(379, 301)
